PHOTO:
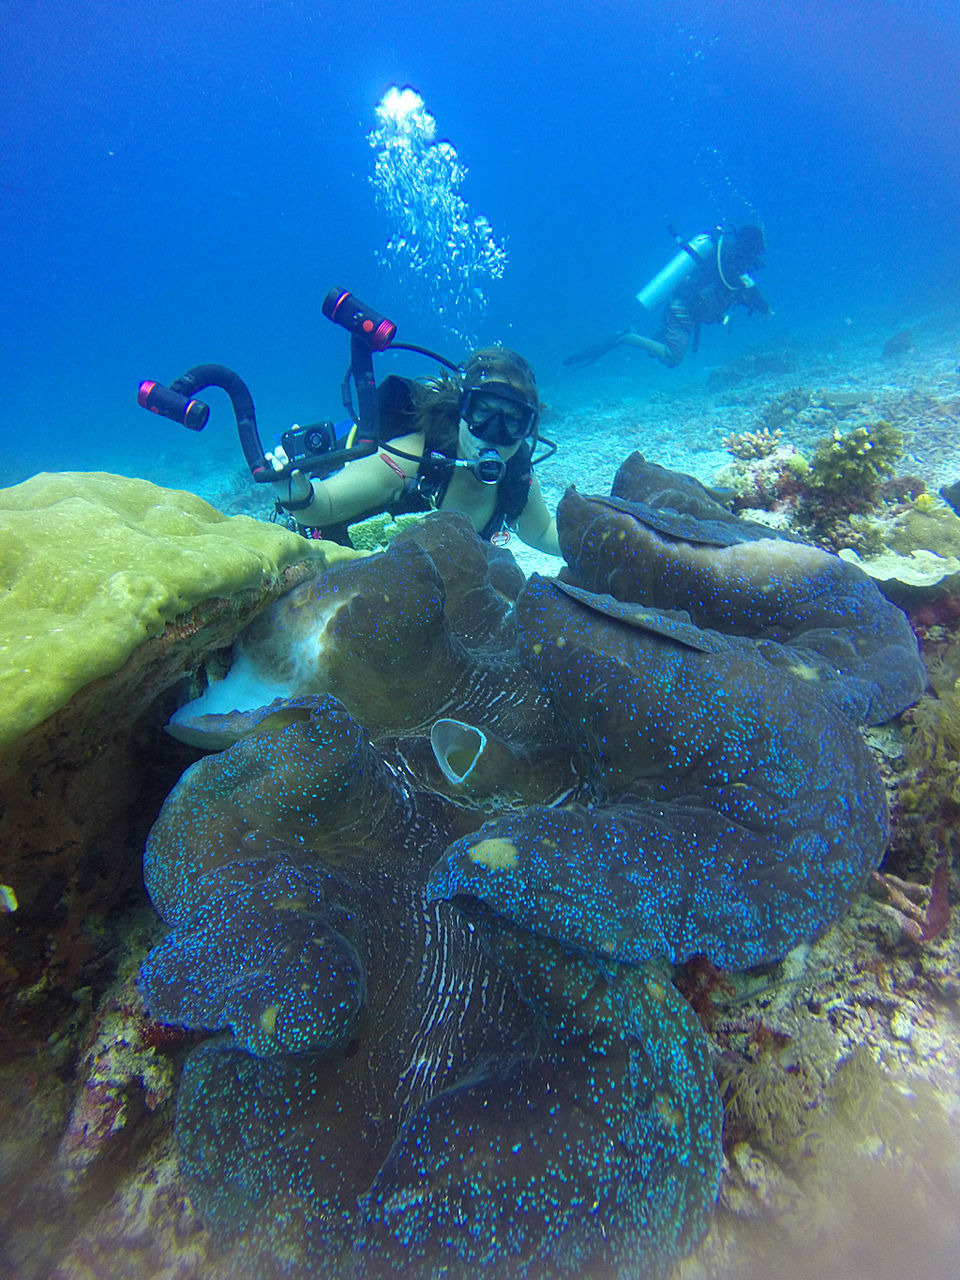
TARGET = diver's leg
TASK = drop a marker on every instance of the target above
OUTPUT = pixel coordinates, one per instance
(670, 344)
(658, 350)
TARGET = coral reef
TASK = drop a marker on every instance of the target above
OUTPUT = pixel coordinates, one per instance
(926, 524)
(778, 413)
(836, 495)
(840, 1128)
(845, 496)
(377, 532)
(747, 445)
(921, 568)
(123, 1075)
(846, 472)
(929, 795)
(410, 1009)
(923, 913)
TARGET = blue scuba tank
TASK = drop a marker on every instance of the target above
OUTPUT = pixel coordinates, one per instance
(691, 254)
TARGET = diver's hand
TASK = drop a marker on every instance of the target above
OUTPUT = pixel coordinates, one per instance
(293, 491)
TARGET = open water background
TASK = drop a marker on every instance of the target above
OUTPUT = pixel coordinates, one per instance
(182, 183)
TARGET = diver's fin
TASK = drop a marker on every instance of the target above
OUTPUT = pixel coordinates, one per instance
(589, 354)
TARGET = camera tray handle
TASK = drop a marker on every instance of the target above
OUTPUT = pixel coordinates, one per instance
(368, 331)
(178, 402)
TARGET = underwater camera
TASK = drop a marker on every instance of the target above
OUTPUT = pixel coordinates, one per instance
(316, 448)
(314, 441)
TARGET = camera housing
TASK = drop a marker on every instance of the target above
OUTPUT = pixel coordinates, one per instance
(311, 441)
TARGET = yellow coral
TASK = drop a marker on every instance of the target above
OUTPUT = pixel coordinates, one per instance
(748, 445)
(92, 565)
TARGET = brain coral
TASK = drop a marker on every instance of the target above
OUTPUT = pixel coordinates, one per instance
(92, 565)
(490, 1070)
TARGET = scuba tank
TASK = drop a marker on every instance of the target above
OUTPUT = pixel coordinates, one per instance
(692, 254)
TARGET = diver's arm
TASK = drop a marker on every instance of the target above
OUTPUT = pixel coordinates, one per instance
(368, 482)
(536, 526)
(751, 296)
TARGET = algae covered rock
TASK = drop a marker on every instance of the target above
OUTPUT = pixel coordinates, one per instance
(113, 589)
(92, 565)
(378, 531)
(934, 529)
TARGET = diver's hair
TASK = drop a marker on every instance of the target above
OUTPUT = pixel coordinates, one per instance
(749, 241)
(499, 364)
(436, 402)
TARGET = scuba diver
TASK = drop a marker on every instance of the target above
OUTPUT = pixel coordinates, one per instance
(706, 280)
(453, 443)
(463, 441)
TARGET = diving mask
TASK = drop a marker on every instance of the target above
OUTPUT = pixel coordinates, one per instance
(498, 414)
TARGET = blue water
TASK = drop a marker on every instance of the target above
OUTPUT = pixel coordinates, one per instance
(183, 183)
